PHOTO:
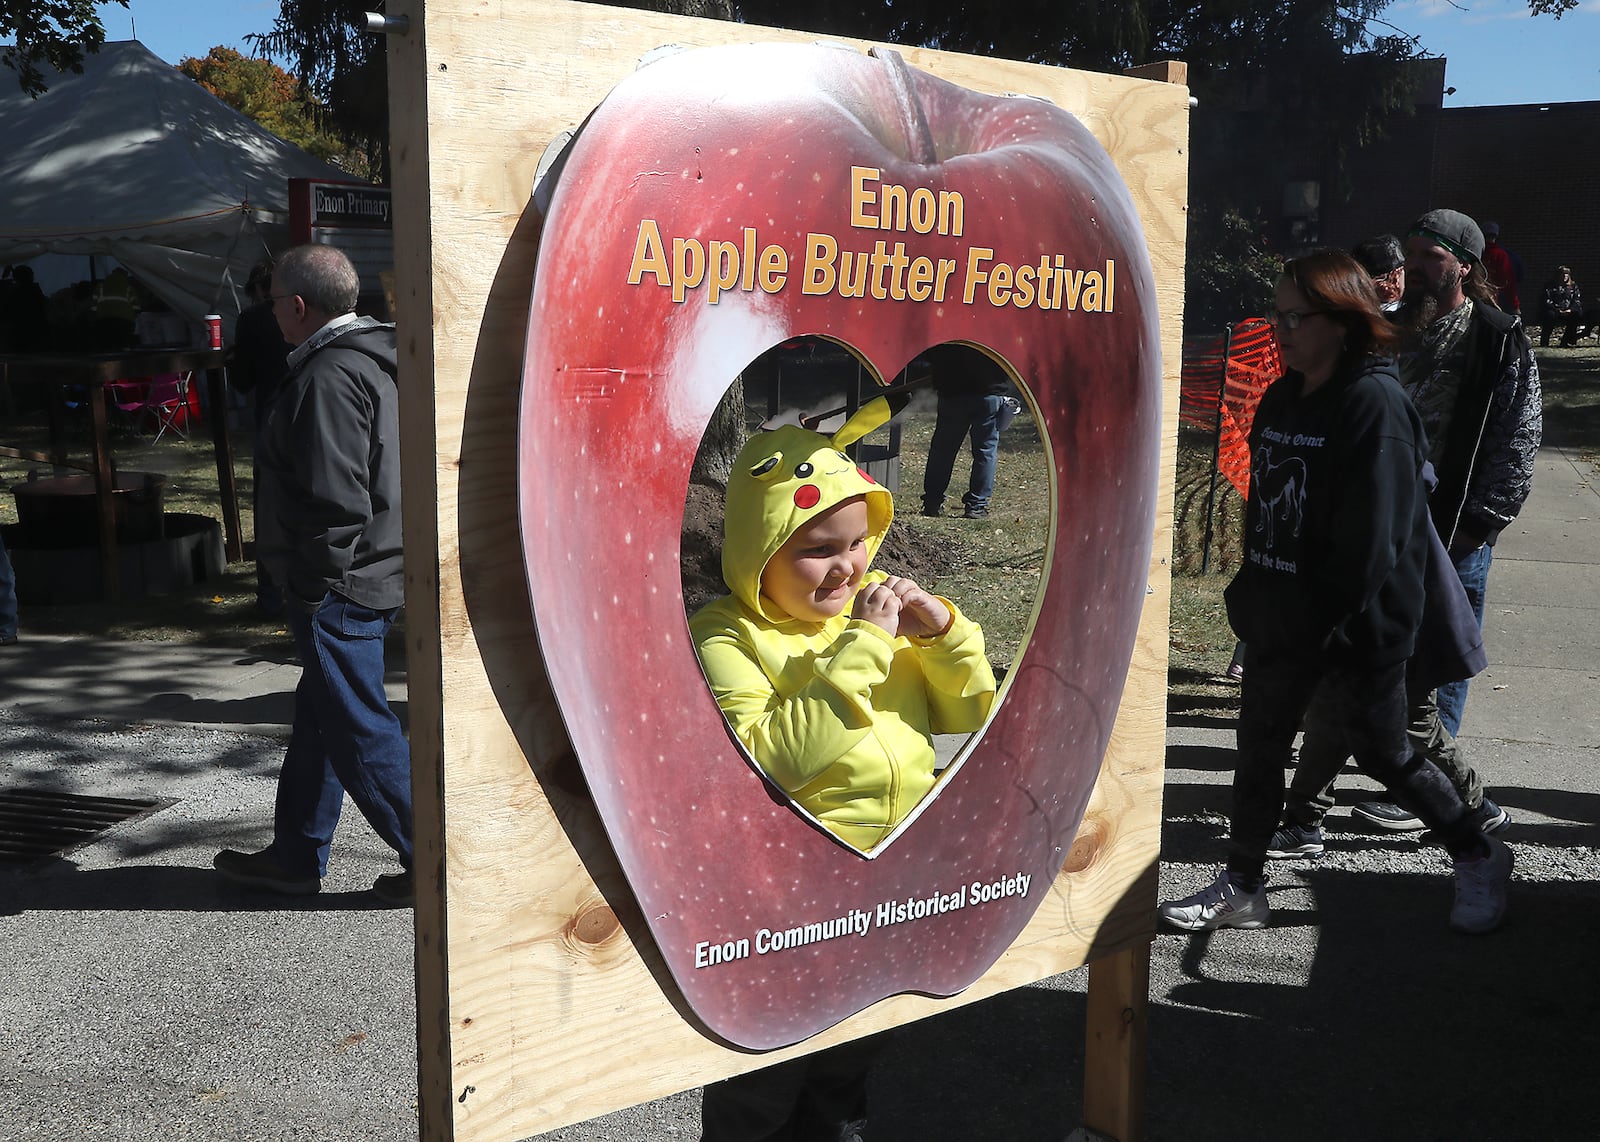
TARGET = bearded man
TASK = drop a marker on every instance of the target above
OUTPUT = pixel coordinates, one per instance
(1469, 369)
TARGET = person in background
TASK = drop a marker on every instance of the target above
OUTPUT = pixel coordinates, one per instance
(1385, 262)
(1469, 368)
(328, 529)
(27, 313)
(1456, 652)
(258, 365)
(115, 312)
(1330, 591)
(1563, 306)
(972, 391)
(1504, 274)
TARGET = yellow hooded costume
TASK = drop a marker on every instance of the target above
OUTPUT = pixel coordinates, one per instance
(839, 714)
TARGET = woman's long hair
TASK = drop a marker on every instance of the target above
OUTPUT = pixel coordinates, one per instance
(1337, 285)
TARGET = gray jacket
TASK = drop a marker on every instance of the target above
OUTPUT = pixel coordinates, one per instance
(1486, 471)
(328, 507)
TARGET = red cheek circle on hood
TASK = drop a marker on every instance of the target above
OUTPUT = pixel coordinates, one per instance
(807, 496)
(865, 475)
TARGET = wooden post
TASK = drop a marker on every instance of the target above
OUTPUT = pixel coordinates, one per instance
(105, 476)
(1114, 1061)
(1167, 71)
(222, 445)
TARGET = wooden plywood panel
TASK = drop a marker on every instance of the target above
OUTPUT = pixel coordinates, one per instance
(541, 998)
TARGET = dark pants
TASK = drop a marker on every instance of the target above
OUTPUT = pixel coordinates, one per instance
(963, 415)
(819, 1098)
(345, 738)
(1324, 750)
(1371, 706)
(1567, 323)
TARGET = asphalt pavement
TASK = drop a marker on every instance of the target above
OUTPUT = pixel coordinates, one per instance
(145, 998)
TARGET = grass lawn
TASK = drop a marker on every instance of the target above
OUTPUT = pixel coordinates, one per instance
(220, 612)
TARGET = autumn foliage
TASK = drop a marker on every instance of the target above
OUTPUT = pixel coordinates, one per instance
(275, 99)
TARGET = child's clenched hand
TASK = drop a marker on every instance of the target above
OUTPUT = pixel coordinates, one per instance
(921, 615)
(878, 604)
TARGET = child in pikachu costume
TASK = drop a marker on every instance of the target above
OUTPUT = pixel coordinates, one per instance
(833, 676)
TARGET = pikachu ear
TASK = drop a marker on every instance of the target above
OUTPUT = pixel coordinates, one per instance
(875, 413)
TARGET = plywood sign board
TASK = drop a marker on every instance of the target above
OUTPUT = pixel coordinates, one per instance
(548, 992)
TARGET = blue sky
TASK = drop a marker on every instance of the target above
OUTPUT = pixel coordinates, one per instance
(1497, 52)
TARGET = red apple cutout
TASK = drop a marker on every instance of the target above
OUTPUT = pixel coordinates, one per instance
(719, 202)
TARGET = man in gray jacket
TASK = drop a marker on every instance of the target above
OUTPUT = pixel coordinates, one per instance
(328, 530)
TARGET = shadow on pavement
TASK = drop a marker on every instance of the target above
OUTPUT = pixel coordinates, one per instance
(58, 885)
(1398, 1029)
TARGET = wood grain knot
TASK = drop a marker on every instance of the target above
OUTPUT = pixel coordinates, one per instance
(595, 925)
(1086, 845)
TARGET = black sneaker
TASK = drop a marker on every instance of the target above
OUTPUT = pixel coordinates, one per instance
(258, 870)
(1387, 814)
(1490, 818)
(1293, 840)
(396, 888)
(975, 513)
(933, 511)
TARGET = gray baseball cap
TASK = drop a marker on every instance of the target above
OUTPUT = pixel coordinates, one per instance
(1454, 231)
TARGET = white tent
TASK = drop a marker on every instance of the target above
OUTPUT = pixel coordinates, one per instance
(134, 159)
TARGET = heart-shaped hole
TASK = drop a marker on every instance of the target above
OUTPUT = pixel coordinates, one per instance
(976, 539)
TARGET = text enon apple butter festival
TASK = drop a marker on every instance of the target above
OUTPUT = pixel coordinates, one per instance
(887, 271)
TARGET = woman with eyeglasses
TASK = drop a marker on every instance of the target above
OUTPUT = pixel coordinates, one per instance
(1330, 592)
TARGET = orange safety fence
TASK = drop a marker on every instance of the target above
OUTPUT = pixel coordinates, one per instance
(1232, 370)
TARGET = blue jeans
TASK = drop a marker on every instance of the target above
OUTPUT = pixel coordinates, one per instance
(1473, 568)
(345, 738)
(962, 415)
(8, 595)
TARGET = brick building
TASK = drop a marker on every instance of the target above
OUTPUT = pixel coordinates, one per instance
(1533, 168)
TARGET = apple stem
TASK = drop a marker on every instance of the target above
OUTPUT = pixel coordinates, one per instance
(919, 138)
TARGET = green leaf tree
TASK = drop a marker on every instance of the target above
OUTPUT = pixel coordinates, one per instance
(343, 67)
(52, 32)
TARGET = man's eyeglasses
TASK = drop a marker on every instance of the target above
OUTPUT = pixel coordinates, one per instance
(1291, 318)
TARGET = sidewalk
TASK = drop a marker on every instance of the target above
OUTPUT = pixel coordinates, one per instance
(122, 683)
(147, 999)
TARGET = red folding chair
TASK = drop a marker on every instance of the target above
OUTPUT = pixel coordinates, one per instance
(129, 398)
(168, 402)
(161, 401)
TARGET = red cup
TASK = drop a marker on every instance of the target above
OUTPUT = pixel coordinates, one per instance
(214, 329)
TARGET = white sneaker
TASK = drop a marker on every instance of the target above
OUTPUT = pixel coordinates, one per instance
(1481, 890)
(1222, 905)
